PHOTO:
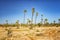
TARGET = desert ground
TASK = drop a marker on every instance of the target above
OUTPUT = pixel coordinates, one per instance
(37, 33)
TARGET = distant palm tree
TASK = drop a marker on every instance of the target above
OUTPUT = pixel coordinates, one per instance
(17, 24)
(36, 17)
(54, 21)
(33, 10)
(24, 15)
(59, 21)
(42, 19)
(46, 20)
(28, 21)
(6, 23)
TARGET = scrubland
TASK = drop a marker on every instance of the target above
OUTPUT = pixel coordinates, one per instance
(36, 33)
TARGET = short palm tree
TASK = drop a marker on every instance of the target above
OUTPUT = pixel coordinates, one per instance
(54, 21)
(46, 20)
(59, 21)
(28, 21)
(24, 15)
(36, 17)
(17, 24)
(6, 23)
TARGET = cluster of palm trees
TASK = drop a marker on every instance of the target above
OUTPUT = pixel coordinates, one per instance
(31, 21)
(43, 21)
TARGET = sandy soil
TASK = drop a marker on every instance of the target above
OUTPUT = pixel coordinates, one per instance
(37, 33)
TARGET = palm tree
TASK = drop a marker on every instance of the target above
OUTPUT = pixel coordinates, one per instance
(33, 10)
(6, 23)
(42, 19)
(36, 17)
(46, 20)
(28, 21)
(24, 15)
(46, 23)
(59, 21)
(17, 24)
(54, 21)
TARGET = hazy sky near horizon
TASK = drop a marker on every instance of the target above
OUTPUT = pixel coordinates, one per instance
(13, 10)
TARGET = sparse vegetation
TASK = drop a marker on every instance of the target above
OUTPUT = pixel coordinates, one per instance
(30, 28)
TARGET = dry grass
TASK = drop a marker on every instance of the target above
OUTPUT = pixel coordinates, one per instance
(37, 33)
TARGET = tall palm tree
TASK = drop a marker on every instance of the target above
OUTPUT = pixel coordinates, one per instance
(24, 15)
(59, 21)
(36, 17)
(42, 19)
(33, 10)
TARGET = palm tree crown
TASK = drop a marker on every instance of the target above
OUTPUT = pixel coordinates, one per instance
(25, 11)
(33, 10)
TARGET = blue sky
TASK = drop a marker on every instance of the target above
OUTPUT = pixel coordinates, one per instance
(12, 10)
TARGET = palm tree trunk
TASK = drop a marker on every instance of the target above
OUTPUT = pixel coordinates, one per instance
(32, 19)
(35, 19)
(24, 19)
